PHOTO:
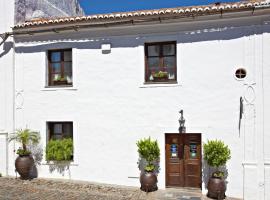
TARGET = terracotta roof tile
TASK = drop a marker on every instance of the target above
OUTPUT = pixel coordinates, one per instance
(199, 10)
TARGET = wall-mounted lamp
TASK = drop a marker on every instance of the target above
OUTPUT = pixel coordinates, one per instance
(106, 48)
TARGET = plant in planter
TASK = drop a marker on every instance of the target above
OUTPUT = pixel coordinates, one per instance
(24, 162)
(59, 150)
(148, 150)
(216, 153)
(160, 76)
(59, 80)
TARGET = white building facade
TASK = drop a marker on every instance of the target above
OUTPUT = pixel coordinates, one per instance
(111, 101)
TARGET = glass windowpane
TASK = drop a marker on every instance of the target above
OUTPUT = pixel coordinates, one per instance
(55, 56)
(169, 66)
(67, 55)
(153, 63)
(56, 67)
(57, 129)
(68, 67)
(169, 62)
(68, 77)
(153, 50)
(168, 49)
(68, 130)
(55, 77)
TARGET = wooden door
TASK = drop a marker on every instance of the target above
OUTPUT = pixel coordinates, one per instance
(183, 160)
(174, 160)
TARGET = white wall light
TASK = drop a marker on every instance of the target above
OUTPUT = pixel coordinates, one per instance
(106, 48)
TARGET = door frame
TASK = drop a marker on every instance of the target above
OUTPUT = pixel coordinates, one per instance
(166, 181)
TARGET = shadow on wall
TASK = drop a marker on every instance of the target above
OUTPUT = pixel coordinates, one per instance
(142, 164)
(37, 153)
(7, 46)
(61, 167)
(84, 40)
(207, 172)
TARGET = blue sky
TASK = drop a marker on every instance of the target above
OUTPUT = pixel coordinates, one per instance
(108, 6)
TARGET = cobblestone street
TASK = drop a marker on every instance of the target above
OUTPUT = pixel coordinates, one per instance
(47, 189)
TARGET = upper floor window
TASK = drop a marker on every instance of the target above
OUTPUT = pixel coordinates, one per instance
(160, 62)
(60, 67)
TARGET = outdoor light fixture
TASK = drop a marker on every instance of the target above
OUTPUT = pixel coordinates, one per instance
(182, 128)
(106, 48)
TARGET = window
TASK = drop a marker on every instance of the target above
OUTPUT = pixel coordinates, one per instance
(60, 141)
(60, 130)
(60, 67)
(240, 73)
(160, 62)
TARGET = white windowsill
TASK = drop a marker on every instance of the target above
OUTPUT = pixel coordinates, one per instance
(157, 85)
(58, 88)
(59, 163)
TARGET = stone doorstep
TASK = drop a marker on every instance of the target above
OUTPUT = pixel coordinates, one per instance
(168, 193)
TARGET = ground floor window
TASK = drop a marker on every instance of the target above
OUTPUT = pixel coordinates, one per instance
(60, 141)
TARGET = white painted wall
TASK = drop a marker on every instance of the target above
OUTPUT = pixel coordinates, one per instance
(111, 107)
(6, 79)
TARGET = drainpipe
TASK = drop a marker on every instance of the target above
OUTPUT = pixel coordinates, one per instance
(4, 37)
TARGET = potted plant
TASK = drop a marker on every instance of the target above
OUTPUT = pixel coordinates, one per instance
(160, 76)
(60, 80)
(216, 154)
(148, 150)
(24, 162)
(59, 150)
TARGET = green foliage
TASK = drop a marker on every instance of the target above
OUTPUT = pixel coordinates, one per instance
(149, 168)
(0, 175)
(149, 150)
(160, 74)
(216, 153)
(59, 150)
(25, 137)
(22, 152)
(218, 174)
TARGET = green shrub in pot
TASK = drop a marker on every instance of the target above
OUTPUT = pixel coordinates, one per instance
(216, 154)
(149, 150)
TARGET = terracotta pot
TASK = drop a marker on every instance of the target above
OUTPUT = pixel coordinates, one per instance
(216, 188)
(148, 181)
(23, 165)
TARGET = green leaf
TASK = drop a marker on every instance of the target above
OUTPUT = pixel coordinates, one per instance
(216, 153)
(59, 150)
(149, 150)
(25, 137)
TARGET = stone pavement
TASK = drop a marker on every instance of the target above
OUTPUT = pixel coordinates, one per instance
(54, 189)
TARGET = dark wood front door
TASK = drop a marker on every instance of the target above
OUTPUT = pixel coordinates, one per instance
(183, 160)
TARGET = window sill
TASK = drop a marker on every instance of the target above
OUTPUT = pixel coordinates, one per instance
(160, 84)
(55, 88)
(70, 163)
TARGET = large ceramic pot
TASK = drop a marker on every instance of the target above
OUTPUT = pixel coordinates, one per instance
(148, 181)
(23, 165)
(216, 188)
